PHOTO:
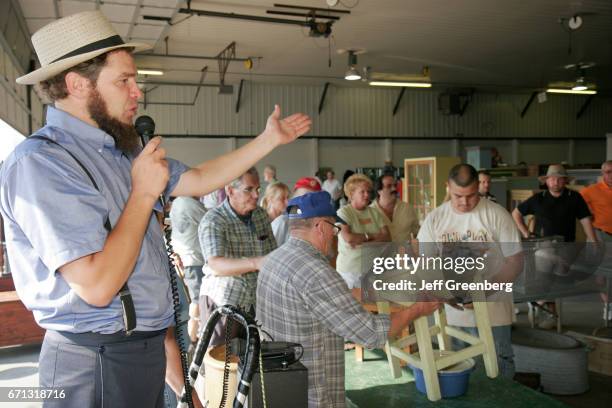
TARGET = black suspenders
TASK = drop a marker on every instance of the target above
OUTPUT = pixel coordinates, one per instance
(129, 314)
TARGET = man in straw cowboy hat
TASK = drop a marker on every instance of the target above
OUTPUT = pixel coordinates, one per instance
(556, 210)
(78, 204)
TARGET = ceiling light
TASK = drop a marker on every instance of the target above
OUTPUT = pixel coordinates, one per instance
(150, 72)
(352, 74)
(402, 84)
(571, 91)
(580, 85)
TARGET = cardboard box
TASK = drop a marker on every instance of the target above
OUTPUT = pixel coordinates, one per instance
(600, 352)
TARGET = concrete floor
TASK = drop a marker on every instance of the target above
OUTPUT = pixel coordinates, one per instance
(19, 368)
(19, 365)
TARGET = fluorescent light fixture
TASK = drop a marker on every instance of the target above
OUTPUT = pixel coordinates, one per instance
(571, 91)
(403, 84)
(150, 72)
(352, 74)
(580, 88)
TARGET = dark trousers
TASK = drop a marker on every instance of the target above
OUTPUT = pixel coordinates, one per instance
(100, 371)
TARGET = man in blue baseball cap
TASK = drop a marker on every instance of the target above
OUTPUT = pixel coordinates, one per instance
(302, 299)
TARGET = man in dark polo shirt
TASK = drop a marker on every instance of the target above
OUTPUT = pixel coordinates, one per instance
(556, 210)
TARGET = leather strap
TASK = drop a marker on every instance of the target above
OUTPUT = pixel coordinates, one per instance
(127, 303)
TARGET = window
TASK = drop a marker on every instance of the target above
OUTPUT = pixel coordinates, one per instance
(10, 138)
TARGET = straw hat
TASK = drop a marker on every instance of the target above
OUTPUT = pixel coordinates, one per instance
(71, 40)
(555, 170)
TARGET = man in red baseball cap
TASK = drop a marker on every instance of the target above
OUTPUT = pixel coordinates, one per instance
(280, 226)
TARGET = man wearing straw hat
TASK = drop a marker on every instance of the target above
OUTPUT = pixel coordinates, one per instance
(78, 204)
(556, 210)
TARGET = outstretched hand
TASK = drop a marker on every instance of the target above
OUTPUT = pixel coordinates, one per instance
(286, 130)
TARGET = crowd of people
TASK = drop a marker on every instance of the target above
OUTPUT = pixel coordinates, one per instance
(307, 291)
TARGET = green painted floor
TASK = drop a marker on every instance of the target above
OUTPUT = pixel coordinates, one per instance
(370, 385)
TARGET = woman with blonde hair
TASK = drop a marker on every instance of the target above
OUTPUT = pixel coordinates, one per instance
(275, 202)
(363, 224)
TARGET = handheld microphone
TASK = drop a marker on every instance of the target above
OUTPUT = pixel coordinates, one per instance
(145, 127)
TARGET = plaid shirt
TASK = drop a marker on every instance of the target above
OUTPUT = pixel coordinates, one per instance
(223, 233)
(302, 299)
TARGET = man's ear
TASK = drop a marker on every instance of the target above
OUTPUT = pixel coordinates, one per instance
(77, 85)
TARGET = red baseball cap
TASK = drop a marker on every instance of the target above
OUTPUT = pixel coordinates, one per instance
(309, 183)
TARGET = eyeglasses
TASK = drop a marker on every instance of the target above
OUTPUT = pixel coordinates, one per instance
(336, 228)
(251, 190)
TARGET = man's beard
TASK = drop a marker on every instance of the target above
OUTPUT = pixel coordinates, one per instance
(126, 137)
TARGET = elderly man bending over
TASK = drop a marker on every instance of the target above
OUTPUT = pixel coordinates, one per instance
(302, 299)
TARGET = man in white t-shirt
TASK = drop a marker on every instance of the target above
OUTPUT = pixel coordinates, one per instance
(333, 187)
(469, 218)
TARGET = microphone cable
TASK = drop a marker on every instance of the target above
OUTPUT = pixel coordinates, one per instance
(145, 127)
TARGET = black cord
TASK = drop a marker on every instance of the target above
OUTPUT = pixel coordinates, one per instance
(226, 364)
(301, 352)
(178, 331)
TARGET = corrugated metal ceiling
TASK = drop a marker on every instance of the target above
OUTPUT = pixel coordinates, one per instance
(498, 44)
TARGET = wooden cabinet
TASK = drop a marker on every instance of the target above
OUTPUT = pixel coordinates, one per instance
(425, 182)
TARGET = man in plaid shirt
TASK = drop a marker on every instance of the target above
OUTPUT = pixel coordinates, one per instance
(234, 238)
(302, 299)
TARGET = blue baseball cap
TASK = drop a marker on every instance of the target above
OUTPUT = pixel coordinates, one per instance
(317, 204)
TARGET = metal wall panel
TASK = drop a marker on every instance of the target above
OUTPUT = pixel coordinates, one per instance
(367, 112)
(292, 161)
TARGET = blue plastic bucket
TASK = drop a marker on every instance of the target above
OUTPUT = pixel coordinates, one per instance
(453, 380)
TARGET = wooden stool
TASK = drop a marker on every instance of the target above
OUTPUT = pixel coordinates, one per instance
(373, 308)
(431, 364)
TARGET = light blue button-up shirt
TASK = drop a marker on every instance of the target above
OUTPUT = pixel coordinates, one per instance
(54, 215)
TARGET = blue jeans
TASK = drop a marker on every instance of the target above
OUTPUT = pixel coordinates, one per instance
(502, 336)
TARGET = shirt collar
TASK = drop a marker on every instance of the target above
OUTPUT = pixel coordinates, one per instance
(566, 191)
(95, 137)
(244, 218)
(604, 186)
(299, 242)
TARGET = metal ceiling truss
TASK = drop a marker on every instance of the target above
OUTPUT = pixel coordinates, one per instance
(318, 20)
(224, 58)
(239, 96)
(399, 99)
(146, 92)
(323, 95)
(528, 104)
(135, 15)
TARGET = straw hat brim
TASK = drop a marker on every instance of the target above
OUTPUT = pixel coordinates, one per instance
(49, 71)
